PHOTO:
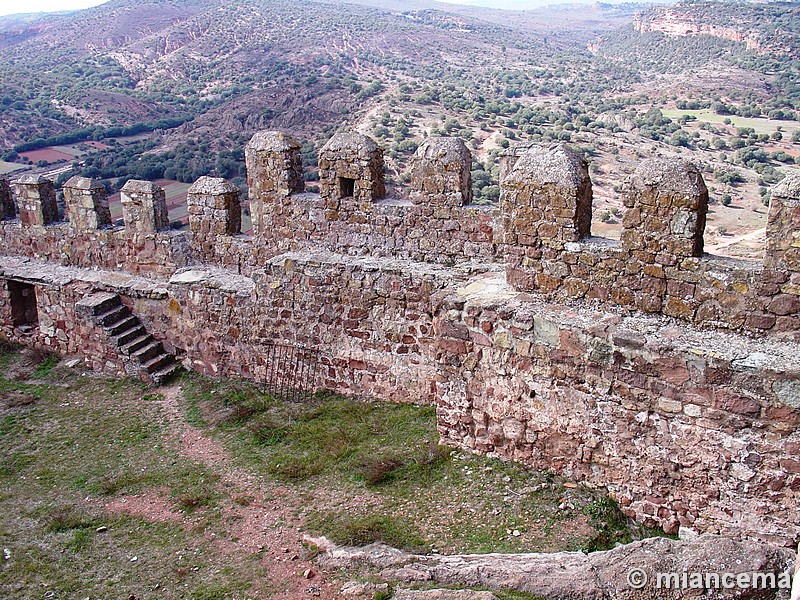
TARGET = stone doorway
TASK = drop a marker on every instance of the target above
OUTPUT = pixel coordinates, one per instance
(24, 312)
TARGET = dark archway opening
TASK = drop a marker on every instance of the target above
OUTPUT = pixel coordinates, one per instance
(24, 312)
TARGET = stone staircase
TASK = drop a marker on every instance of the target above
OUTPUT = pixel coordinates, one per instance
(142, 353)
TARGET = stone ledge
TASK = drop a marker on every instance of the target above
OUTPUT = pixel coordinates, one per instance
(661, 333)
(34, 271)
(381, 264)
(214, 278)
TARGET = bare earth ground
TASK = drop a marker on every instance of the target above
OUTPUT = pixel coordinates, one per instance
(255, 514)
(109, 489)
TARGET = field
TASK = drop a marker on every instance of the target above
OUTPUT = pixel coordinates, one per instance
(176, 201)
(768, 126)
(68, 152)
(204, 489)
(10, 167)
(50, 155)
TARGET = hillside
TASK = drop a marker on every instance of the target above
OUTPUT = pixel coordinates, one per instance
(175, 88)
(182, 58)
(765, 28)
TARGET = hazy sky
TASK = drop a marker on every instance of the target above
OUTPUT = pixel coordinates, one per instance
(8, 7)
(509, 4)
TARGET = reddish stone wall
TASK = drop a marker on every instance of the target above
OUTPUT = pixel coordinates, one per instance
(158, 254)
(370, 322)
(684, 428)
(60, 329)
(435, 223)
(659, 266)
(685, 423)
(389, 227)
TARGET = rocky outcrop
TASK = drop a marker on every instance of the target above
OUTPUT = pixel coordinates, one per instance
(677, 24)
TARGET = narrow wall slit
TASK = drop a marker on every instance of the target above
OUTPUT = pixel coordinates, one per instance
(24, 312)
(347, 187)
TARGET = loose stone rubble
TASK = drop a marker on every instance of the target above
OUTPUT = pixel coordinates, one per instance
(669, 376)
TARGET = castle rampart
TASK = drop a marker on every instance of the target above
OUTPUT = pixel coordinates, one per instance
(644, 365)
(658, 266)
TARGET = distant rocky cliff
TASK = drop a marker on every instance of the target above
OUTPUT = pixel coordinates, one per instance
(678, 23)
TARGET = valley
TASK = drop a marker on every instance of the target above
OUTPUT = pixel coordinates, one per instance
(193, 80)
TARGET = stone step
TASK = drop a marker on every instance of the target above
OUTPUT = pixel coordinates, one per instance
(158, 363)
(114, 315)
(131, 346)
(148, 352)
(166, 372)
(128, 336)
(97, 303)
(124, 325)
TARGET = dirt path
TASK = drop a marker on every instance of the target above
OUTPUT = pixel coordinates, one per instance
(256, 515)
(759, 235)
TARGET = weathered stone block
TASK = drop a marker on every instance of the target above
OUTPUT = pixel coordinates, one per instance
(670, 200)
(441, 173)
(36, 199)
(351, 166)
(274, 173)
(214, 208)
(548, 193)
(783, 226)
(8, 209)
(144, 207)
(87, 204)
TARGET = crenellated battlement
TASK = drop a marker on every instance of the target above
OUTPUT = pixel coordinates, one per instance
(658, 266)
(645, 365)
(540, 234)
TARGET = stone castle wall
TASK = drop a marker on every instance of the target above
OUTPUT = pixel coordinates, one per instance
(667, 375)
(659, 265)
(60, 329)
(685, 427)
(436, 223)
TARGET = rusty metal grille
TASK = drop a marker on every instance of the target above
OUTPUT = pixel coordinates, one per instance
(291, 373)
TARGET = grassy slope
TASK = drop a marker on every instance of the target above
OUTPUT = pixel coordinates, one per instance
(67, 453)
(380, 474)
(357, 472)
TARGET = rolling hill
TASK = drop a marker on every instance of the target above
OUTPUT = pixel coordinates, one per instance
(622, 82)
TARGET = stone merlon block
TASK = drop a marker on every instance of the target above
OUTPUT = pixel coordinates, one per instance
(509, 157)
(783, 226)
(36, 199)
(350, 145)
(144, 207)
(351, 166)
(8, 209)
(272, 141)
(87, 204)
(212, 186)
(547, 197)
(667, 203)
(441, 173)
(214, 207)
(671, 176)
(274, 173)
